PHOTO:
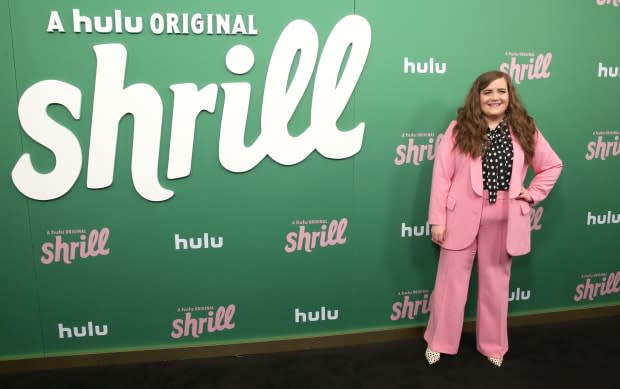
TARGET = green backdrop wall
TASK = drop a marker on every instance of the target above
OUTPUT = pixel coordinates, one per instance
(300, 173)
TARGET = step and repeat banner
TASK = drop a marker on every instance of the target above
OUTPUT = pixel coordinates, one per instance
(190, 173)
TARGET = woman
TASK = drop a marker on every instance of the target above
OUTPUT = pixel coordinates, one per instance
(479, 207)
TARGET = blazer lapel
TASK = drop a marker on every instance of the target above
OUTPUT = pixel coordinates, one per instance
(475, 170)
(518, 161)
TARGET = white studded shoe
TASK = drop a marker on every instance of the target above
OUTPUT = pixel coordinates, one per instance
(431, 356)
(496, 361)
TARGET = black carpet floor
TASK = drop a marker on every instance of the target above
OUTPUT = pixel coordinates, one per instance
(576, 354)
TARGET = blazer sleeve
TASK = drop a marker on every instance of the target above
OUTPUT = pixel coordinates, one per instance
(443, 171)
(547, 167)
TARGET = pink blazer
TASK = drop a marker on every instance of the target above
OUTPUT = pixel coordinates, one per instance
(456, 192)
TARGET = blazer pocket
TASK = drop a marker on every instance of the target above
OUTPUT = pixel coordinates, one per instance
(526, 207)
(451, 203)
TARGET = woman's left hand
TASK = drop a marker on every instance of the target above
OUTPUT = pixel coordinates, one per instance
(525, 196)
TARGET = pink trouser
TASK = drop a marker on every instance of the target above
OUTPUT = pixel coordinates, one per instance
(445, 324)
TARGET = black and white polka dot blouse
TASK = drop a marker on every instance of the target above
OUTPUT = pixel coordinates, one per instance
(497, 161)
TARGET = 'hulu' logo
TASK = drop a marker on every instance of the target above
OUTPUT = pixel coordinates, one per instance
(320, 315)
(608, 218)
(204, 242)
(608, 71)
(94, 246)
(519, 295)
(426, 67)
(409, 231)
(82, 331)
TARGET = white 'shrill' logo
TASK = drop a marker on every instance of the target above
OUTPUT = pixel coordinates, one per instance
(336, 74)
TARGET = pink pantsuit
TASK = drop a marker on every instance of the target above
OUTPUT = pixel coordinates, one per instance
(494, 232)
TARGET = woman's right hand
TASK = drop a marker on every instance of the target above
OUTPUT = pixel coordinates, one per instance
(438, 233)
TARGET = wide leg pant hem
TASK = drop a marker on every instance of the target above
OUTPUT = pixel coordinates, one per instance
(441, 348)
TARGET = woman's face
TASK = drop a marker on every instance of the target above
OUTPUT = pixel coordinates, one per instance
(494, 99)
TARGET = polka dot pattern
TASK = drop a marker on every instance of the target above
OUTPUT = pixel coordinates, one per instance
(497, 161)
(496, 361)
(431, 356)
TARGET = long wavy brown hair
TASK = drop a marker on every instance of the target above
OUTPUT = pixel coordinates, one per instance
(470, 132)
